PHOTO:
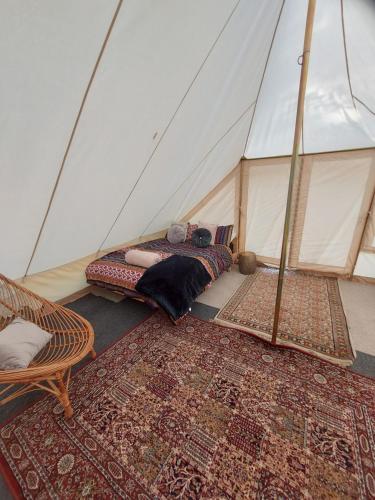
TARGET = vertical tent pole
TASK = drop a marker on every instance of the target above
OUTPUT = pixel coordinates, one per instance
(296, 142)
(360, 246)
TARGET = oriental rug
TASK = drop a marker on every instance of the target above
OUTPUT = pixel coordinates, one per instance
(198, 411)
(311, 315)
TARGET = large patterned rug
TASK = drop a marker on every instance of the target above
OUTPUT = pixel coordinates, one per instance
(311, 315)
(198, 411)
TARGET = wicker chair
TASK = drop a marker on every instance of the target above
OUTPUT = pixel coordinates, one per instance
(73, 338)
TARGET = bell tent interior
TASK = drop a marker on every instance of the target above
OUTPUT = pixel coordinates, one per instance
(221, 344)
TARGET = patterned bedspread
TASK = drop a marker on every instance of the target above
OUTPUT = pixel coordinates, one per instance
(112, 269)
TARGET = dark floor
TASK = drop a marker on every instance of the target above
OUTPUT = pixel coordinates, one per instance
(110, 321)
(364, 364)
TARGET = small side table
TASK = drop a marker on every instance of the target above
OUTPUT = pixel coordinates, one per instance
(247, 262)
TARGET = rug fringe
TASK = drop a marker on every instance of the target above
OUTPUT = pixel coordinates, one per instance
(284, 343)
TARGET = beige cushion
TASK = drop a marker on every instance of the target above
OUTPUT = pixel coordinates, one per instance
(211, 227)
(20, 342)
(142, 259)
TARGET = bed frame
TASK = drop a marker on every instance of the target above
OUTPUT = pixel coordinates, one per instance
(132, 294)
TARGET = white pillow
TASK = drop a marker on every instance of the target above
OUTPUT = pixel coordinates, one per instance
(211, 227)
(141, 258)
(20, 342)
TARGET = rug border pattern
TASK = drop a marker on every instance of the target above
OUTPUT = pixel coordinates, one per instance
(340, 335)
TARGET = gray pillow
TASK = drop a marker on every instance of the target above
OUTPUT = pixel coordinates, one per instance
(177, 233)
(20, 342)
(201, 237)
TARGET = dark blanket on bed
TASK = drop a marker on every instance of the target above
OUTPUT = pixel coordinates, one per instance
(174, 283)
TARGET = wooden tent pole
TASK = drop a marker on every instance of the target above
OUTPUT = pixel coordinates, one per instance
(296, 143)
(360, 246)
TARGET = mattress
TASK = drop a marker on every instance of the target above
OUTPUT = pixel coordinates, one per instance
(112, 270)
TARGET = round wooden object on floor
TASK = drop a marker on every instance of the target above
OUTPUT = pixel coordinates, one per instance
(247, 262)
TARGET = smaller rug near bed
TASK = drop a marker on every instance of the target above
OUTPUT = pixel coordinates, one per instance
(311, 316)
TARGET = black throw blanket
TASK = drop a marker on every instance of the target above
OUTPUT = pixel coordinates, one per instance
(174, 283)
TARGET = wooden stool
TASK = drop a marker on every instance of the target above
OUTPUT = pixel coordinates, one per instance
(247, 262)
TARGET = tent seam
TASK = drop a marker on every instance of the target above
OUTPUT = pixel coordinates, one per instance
(263, 75)
(346, 52)
(169, 123)
(72, 134)
(364, 105)
(200, 163)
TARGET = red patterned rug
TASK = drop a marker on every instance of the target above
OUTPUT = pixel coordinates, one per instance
(198, 411)
(311, 316)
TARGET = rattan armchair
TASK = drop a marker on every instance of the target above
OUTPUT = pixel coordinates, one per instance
(72, 339)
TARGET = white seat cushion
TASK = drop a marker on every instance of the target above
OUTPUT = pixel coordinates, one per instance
(20, 342)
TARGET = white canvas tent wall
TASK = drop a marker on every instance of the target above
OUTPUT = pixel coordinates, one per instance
(119, 117)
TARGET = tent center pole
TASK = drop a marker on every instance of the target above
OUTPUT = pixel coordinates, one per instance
(296, 143)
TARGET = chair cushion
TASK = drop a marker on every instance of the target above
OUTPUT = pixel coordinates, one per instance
(20, 342)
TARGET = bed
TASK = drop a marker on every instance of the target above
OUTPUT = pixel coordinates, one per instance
(112, 271)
